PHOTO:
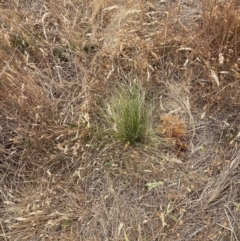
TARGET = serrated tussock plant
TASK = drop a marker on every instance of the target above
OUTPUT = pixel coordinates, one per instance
(129, 114)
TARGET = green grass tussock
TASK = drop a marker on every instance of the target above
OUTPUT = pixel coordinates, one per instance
(129, 114)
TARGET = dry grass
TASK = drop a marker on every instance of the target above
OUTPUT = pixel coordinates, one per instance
(62, 177)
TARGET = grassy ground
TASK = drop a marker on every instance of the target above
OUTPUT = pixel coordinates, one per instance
(65, 174)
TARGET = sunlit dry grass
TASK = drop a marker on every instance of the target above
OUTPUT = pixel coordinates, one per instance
(62, 176)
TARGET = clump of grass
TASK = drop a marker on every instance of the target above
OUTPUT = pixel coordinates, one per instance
(129, 114)
(221, 28)
(173, 127)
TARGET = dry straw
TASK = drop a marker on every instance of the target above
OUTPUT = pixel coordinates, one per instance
(62, 177)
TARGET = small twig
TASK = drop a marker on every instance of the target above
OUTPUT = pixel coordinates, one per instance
(4, 235)
(230, 224)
